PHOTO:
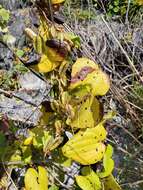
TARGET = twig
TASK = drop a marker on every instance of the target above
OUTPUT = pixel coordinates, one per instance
(10, 95)
(14, 54)
(131, 135)
(127, 12)
(134, 183)
(122, 49)
(9, 176)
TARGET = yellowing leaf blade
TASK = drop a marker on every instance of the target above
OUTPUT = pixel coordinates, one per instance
(31, 179)
(84, 183)
(42, 178)
(108, 162)
(88, 106)
(87, 154)
(110, 183)
(36, 180)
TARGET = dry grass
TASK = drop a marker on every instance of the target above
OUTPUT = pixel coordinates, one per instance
(117, 47)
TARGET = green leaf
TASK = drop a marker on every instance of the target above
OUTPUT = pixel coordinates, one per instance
(92, 177)
(84, 183)
(108, 162)
(111, 6)
(116, 2)
(74, 38)
(19, 53)
(27, 154)
(9, 39)
(89, 180)
(116, 9)
(3, 144)
(4, 14)
(54, 187)
(2, 140)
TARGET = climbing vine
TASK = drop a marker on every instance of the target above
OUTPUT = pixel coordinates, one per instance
(72, 125)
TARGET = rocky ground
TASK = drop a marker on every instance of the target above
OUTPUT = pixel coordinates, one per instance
(99, 43)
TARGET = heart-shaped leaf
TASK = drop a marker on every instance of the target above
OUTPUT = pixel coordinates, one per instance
(86, 147)
(86, 72)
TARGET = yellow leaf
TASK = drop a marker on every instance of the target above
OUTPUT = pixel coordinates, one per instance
(110, 183)
(89, 107)
(84, 183)
(51, 48)
(43, 178)
(51, 57)
(140, 2)
(31, 179)
(99, 133)
(36, 180)
(98, 81)
(67, 163)
(44, 28)
(78, 94)
(92, 177)
(86, 147)
(16, 156)
(82, 74)
(45, 65)
(82, 110)
(28, 141)
(57, 1)
(84, 137)
(83, 63)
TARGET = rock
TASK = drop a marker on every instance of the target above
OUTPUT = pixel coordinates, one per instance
(6, 57)
(14, 4)
(33, 91)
